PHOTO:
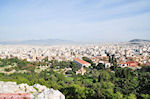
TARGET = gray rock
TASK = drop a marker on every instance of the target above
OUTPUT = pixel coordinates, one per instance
(36, 91)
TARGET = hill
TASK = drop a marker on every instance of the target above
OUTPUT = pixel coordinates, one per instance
(138, 40)
(38, 42)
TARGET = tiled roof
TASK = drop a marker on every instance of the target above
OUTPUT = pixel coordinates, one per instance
(133, 64)
(127, 62)
(81, 61)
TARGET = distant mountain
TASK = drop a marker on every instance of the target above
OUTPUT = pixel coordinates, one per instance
(38, 42)
(138, 40)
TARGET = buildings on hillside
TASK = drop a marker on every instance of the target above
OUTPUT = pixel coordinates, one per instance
(123, 52)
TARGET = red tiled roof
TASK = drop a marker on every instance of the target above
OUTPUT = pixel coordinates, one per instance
(133, 64)
(81, 61)
(146, 64)
(127, 62)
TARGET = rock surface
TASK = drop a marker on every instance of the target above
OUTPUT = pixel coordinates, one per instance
(34, 92)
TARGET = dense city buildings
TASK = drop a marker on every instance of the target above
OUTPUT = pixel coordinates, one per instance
(117, 70)
(125, 54)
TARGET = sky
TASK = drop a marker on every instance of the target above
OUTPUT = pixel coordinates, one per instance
(77, 20)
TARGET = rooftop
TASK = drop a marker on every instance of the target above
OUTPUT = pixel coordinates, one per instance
(81, 61)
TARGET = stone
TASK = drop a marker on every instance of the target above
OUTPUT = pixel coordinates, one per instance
(36, 91)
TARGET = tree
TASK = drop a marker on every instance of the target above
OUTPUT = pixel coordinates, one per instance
(113, 60)
(125, 73)
(144, 79)
(110, 59)
(145, 96)
(69, 72)
(45, 59)
(126, 82)
(104, 76)
(74, 66)
(88, 60)
(97, 83)
(103, 90)
(77, 92)
(118, 95)
(22, 64)
(100, 66)
(131, 96)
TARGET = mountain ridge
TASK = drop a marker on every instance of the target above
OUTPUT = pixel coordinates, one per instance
(38, 42)
(138, 40)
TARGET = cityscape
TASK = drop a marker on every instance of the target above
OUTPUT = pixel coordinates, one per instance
(100, 53)
(73, 49)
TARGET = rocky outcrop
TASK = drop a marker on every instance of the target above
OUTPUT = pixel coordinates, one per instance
(36, 91)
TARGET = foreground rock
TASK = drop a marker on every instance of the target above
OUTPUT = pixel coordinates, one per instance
(11, 89)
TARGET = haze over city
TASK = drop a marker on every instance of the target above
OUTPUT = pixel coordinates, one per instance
(77, 20)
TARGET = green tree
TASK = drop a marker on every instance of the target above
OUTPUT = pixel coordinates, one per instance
(118, 95)
(77, 92)
(145, 96)
(131, 96)
(100, 66)
(89, 60)
(126, 81)
(144, 79)
(104, 76)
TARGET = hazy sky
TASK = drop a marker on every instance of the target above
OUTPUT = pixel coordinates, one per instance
(78, 20)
